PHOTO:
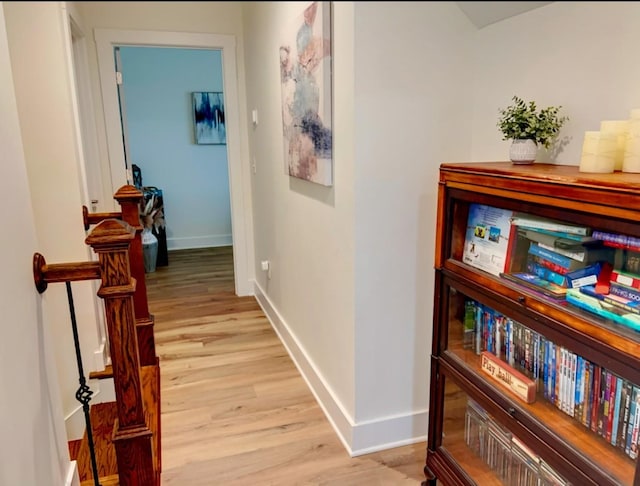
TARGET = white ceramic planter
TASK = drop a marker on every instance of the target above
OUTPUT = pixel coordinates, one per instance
(523, 151)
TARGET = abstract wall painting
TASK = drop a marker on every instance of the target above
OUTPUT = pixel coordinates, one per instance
(305, 73)
(208, 113)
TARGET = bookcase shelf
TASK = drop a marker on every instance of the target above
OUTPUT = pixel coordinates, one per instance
(596, 450)
(480, 432)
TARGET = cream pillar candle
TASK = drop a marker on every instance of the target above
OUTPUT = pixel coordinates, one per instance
(631, 162)
(619, 128)
(598, 152)
(607, 151)
(589, 149)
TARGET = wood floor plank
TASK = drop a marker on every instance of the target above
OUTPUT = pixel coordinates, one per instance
(235, 410)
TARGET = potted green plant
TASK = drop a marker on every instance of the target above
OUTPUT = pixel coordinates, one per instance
(527, 126)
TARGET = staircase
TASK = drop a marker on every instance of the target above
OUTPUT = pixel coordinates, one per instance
(126, 432)
(103, 418)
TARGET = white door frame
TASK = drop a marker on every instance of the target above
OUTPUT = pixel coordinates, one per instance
(106, 40)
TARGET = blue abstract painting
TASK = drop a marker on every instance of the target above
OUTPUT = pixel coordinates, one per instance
(208, 112)
(305, 73)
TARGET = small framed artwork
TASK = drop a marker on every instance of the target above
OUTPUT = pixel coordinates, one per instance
(208, 117)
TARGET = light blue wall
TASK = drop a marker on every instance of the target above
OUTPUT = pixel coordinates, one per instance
(158, 83)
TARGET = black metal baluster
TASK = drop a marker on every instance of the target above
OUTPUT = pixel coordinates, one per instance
(83, 395)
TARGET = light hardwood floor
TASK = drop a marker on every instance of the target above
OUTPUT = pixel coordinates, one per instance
(235, 410)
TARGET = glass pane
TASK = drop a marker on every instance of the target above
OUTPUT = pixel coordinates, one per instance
(489, 453)
(589, 407)
(590, 272)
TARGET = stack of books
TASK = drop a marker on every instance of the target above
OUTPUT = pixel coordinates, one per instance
(550, 256)
(616, 293)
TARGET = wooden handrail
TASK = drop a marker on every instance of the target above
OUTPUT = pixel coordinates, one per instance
(94, 218)
(44, 273)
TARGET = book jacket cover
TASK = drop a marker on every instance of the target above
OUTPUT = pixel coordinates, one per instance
(487, 238)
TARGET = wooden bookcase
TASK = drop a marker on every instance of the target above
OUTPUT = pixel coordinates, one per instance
(480, 432)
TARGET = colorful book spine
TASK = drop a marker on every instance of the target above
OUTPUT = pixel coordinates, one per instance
(634, 425)
(552, 256)
(583, 276)
(574, 239)
(469, 325)
(606, 406)
(574, 384)
(626, 412)
(624, 291)
(546, 273)
(625, 278)
(616, 411)
(579, 255)
(577, 410)
(625, 305)
(478, 329)
(588, 388)
(615, 240)
(595, 396)
(554, 267)
(547, 224)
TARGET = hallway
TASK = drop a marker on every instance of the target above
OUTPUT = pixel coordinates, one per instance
(235, 410)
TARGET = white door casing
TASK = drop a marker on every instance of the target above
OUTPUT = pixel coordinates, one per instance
(106, 40)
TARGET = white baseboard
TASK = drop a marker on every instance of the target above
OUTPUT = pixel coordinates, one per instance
(206, 241)
(100, 356)
(389, 432)
(357, 438)
(72, 479)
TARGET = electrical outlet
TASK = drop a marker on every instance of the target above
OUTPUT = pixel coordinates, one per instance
(253, 164)
(266, 267)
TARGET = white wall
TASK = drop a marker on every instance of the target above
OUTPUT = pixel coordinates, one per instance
(412, 112)
(38, 49)
(158, 83)
(305, 230)
(353, 265)
(581, 55)
(33, 448)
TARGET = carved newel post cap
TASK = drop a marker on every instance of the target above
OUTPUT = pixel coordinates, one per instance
(128, 193)
(111, 233)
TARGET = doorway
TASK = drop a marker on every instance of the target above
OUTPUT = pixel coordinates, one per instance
(239, 183)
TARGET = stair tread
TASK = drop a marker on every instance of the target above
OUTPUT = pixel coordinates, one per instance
(103, 417)
(112, 480)
(101, 375)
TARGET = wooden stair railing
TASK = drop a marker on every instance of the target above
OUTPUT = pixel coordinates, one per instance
(135, 436)
(130, 198)
(132, 437)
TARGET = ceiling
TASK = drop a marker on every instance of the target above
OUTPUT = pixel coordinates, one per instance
(486, 13)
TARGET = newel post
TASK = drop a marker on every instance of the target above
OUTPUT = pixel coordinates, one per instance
(130, 198)
(133, 439)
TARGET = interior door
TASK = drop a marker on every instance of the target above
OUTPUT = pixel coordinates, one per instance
(123, 114)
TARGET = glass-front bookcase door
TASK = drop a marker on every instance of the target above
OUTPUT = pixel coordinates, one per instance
(580, 269)
(580, 405)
